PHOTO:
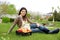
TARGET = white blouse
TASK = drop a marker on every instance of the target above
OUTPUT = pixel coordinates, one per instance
(25, 24)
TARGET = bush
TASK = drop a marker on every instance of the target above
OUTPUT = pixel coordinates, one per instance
(51, 18)
(5, 19)
(57, 18)
(11, 19)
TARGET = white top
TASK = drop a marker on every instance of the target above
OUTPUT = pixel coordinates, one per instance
(25, 24)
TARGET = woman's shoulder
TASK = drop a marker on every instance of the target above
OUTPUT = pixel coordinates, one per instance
(18, 16)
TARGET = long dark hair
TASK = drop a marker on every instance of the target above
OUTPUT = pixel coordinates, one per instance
(23, 8)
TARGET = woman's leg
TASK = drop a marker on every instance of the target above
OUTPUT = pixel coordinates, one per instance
(45, 30)
(34, 28)
(42, 29)
(54, 31)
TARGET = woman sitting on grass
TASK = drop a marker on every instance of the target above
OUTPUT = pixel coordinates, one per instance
(23, 21)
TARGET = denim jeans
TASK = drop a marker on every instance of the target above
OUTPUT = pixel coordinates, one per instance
(43, 29)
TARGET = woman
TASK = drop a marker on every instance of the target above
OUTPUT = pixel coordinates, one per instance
(22, 21)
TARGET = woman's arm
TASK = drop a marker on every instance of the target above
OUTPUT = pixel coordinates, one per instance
(14, 23)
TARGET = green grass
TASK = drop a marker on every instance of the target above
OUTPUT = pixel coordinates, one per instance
(4, 27)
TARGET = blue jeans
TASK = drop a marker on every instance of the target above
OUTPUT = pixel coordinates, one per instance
(43, 29)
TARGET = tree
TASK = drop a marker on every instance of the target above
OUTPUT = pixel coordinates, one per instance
(3, 8)
(58, 9)
(11, 9)
(55, 15)
(7, 8)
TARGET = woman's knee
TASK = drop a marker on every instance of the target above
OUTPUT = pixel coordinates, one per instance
(33, 25)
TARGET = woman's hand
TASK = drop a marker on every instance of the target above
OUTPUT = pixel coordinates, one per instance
(37, 24)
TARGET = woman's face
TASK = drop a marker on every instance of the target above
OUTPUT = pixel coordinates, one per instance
(23, 12)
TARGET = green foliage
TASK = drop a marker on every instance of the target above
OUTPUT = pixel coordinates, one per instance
(7, 8)
(11, 19)
(28, 15)
(56, 16)
(3, 8)
(51, 18)
(11, 9)
(5, 19)
(37, 17)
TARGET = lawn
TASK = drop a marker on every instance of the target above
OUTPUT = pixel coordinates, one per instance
(4, 27)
